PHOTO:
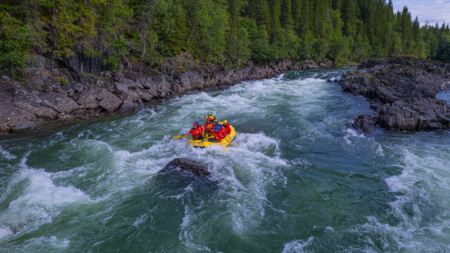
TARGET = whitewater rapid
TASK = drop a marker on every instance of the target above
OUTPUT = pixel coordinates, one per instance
(299, 179)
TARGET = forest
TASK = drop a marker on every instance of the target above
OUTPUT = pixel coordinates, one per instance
(223, 32)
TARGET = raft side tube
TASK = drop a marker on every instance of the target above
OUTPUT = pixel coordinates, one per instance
(204, 143)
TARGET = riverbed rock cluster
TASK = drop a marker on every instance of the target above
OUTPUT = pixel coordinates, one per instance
(402, 91)
(49, 92)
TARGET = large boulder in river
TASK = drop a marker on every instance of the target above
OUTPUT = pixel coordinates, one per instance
(187, 165)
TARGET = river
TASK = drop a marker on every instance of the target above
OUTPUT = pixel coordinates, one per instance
(299, 179)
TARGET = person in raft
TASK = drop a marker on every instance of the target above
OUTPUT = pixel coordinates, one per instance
(212, 118)
(217, 134)
(223, 130)
(227, 126)
(196, 132)
(209, 126)
(200, 127)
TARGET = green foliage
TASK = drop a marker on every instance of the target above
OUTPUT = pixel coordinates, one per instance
(259, 40)
(321, 48)
(227, 32)
(307, 50)
(238, 46)
(444, 47)
(210, 24)
(112, 62)
(397, 45)
(120, 46)
(362, 48)
(14, 42)
(64, 81)
(90, 52)
(114, 16)
(120, 50)
(340, 51)
(285, 44)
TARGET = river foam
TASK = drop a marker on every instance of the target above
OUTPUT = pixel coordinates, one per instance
(32, 199)
(297, 245)
(419, 217)
(6, 154)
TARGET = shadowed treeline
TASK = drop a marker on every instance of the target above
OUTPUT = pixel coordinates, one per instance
(228, 33)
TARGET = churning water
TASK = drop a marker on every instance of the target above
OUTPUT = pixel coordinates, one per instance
(299, 179)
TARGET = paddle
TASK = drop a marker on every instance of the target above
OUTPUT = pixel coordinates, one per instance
(179, 136)
(224, 148)
(229, 137)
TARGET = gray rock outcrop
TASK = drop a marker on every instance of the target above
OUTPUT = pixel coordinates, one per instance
(402, 91)
(61, 91)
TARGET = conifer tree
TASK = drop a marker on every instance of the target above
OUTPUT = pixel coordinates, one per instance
(306, 19)
(296, 14)
(349, 17)
(407, 33)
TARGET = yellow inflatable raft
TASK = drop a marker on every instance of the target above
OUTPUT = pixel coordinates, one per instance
(206, 143)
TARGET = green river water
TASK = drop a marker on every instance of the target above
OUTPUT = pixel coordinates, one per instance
(299, 179)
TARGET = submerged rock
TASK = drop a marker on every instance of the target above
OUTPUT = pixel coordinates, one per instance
(366, 123)
(187, 165)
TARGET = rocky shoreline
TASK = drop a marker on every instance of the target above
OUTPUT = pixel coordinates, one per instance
(402, 91)
(62, 95)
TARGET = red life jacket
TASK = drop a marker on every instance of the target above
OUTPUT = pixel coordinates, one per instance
(223, 131)
(209, 126)
(227, 127)
(217, 135)
(200, 128)
(195, 132)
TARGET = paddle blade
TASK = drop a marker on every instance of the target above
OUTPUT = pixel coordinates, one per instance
(177, 137)
(186, 135)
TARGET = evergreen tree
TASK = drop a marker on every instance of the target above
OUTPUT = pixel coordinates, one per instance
(296, 14)
(407, 34)
(259, 40)
(286, 17)
(14, 43)
(320, 19)
(306, 19)
(238, 39)
(349, 17)
(337, 4)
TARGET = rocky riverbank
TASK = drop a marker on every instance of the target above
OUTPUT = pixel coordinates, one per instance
(402, 91)
(63, 94)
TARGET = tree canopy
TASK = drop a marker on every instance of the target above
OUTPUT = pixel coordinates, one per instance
(217, 31)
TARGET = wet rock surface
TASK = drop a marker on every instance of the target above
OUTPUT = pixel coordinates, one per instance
(186, 165)
(402, 91)
(61, 92)
(366, 123)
